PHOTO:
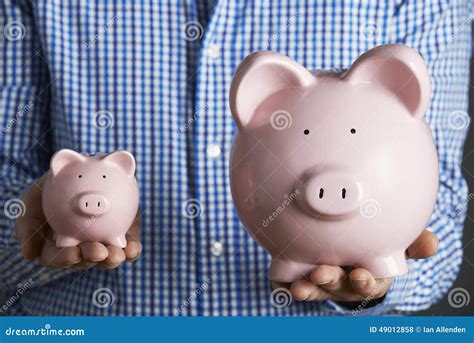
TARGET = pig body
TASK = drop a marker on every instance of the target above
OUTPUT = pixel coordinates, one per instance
(91, 198)
(329, 168)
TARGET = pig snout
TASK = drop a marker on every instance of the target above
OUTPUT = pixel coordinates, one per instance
(91, 204)
(333, 194)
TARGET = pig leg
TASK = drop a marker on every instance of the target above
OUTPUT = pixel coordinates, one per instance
(386, 266)
(119, 241)
(66, 241)
(288, 271)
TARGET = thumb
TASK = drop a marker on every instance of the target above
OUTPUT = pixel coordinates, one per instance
(32, 226)
(424, 246)
(30, 232)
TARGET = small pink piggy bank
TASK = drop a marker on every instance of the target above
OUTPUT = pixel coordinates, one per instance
(91, 198)
(335, 168)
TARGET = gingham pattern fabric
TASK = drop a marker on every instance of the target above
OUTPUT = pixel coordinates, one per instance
(153, 77)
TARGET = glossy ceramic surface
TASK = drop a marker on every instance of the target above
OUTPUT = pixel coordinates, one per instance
(91, 198)
(335, 168)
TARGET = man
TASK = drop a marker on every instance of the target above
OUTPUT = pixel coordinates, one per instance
(152, 77)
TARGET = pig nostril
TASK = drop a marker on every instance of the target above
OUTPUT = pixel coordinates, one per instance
(87, 204)
(343, 193)
(321, 193)
(98, 204)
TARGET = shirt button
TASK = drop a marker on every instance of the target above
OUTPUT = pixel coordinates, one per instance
(213, 51)
(213, 151)
(217, 248)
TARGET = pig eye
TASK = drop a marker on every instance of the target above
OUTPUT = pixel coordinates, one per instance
(79, 176)
(104, 176)
(306, 132)
(353, 131)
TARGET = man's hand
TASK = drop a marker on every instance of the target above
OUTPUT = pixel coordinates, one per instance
(340, 284)
(36, 240)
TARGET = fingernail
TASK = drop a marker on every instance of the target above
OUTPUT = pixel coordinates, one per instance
(302, 296)
(133, 257)
(97, 259)
(112, 265)
(100, 258)
(324, 282)
(361, 282)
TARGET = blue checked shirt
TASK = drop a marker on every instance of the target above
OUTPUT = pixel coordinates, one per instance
(153, 77)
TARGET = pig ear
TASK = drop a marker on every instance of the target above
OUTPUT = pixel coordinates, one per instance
(124, 160)
(400, 70)
(62, 158)
(260, 75)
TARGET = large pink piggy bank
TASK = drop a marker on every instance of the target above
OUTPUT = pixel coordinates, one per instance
(91, 198)
(335, 168)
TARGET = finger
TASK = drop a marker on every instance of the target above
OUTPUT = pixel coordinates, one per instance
(134, 232)
(93, 251)
(133, 250)
(103, 265)
(29, 227)
(30, 233)
(365, 285)
(52, 256)
(33, 200)
(305, 290)
(424, 246)
(115, 258)
(328, 277)
(84, 265)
